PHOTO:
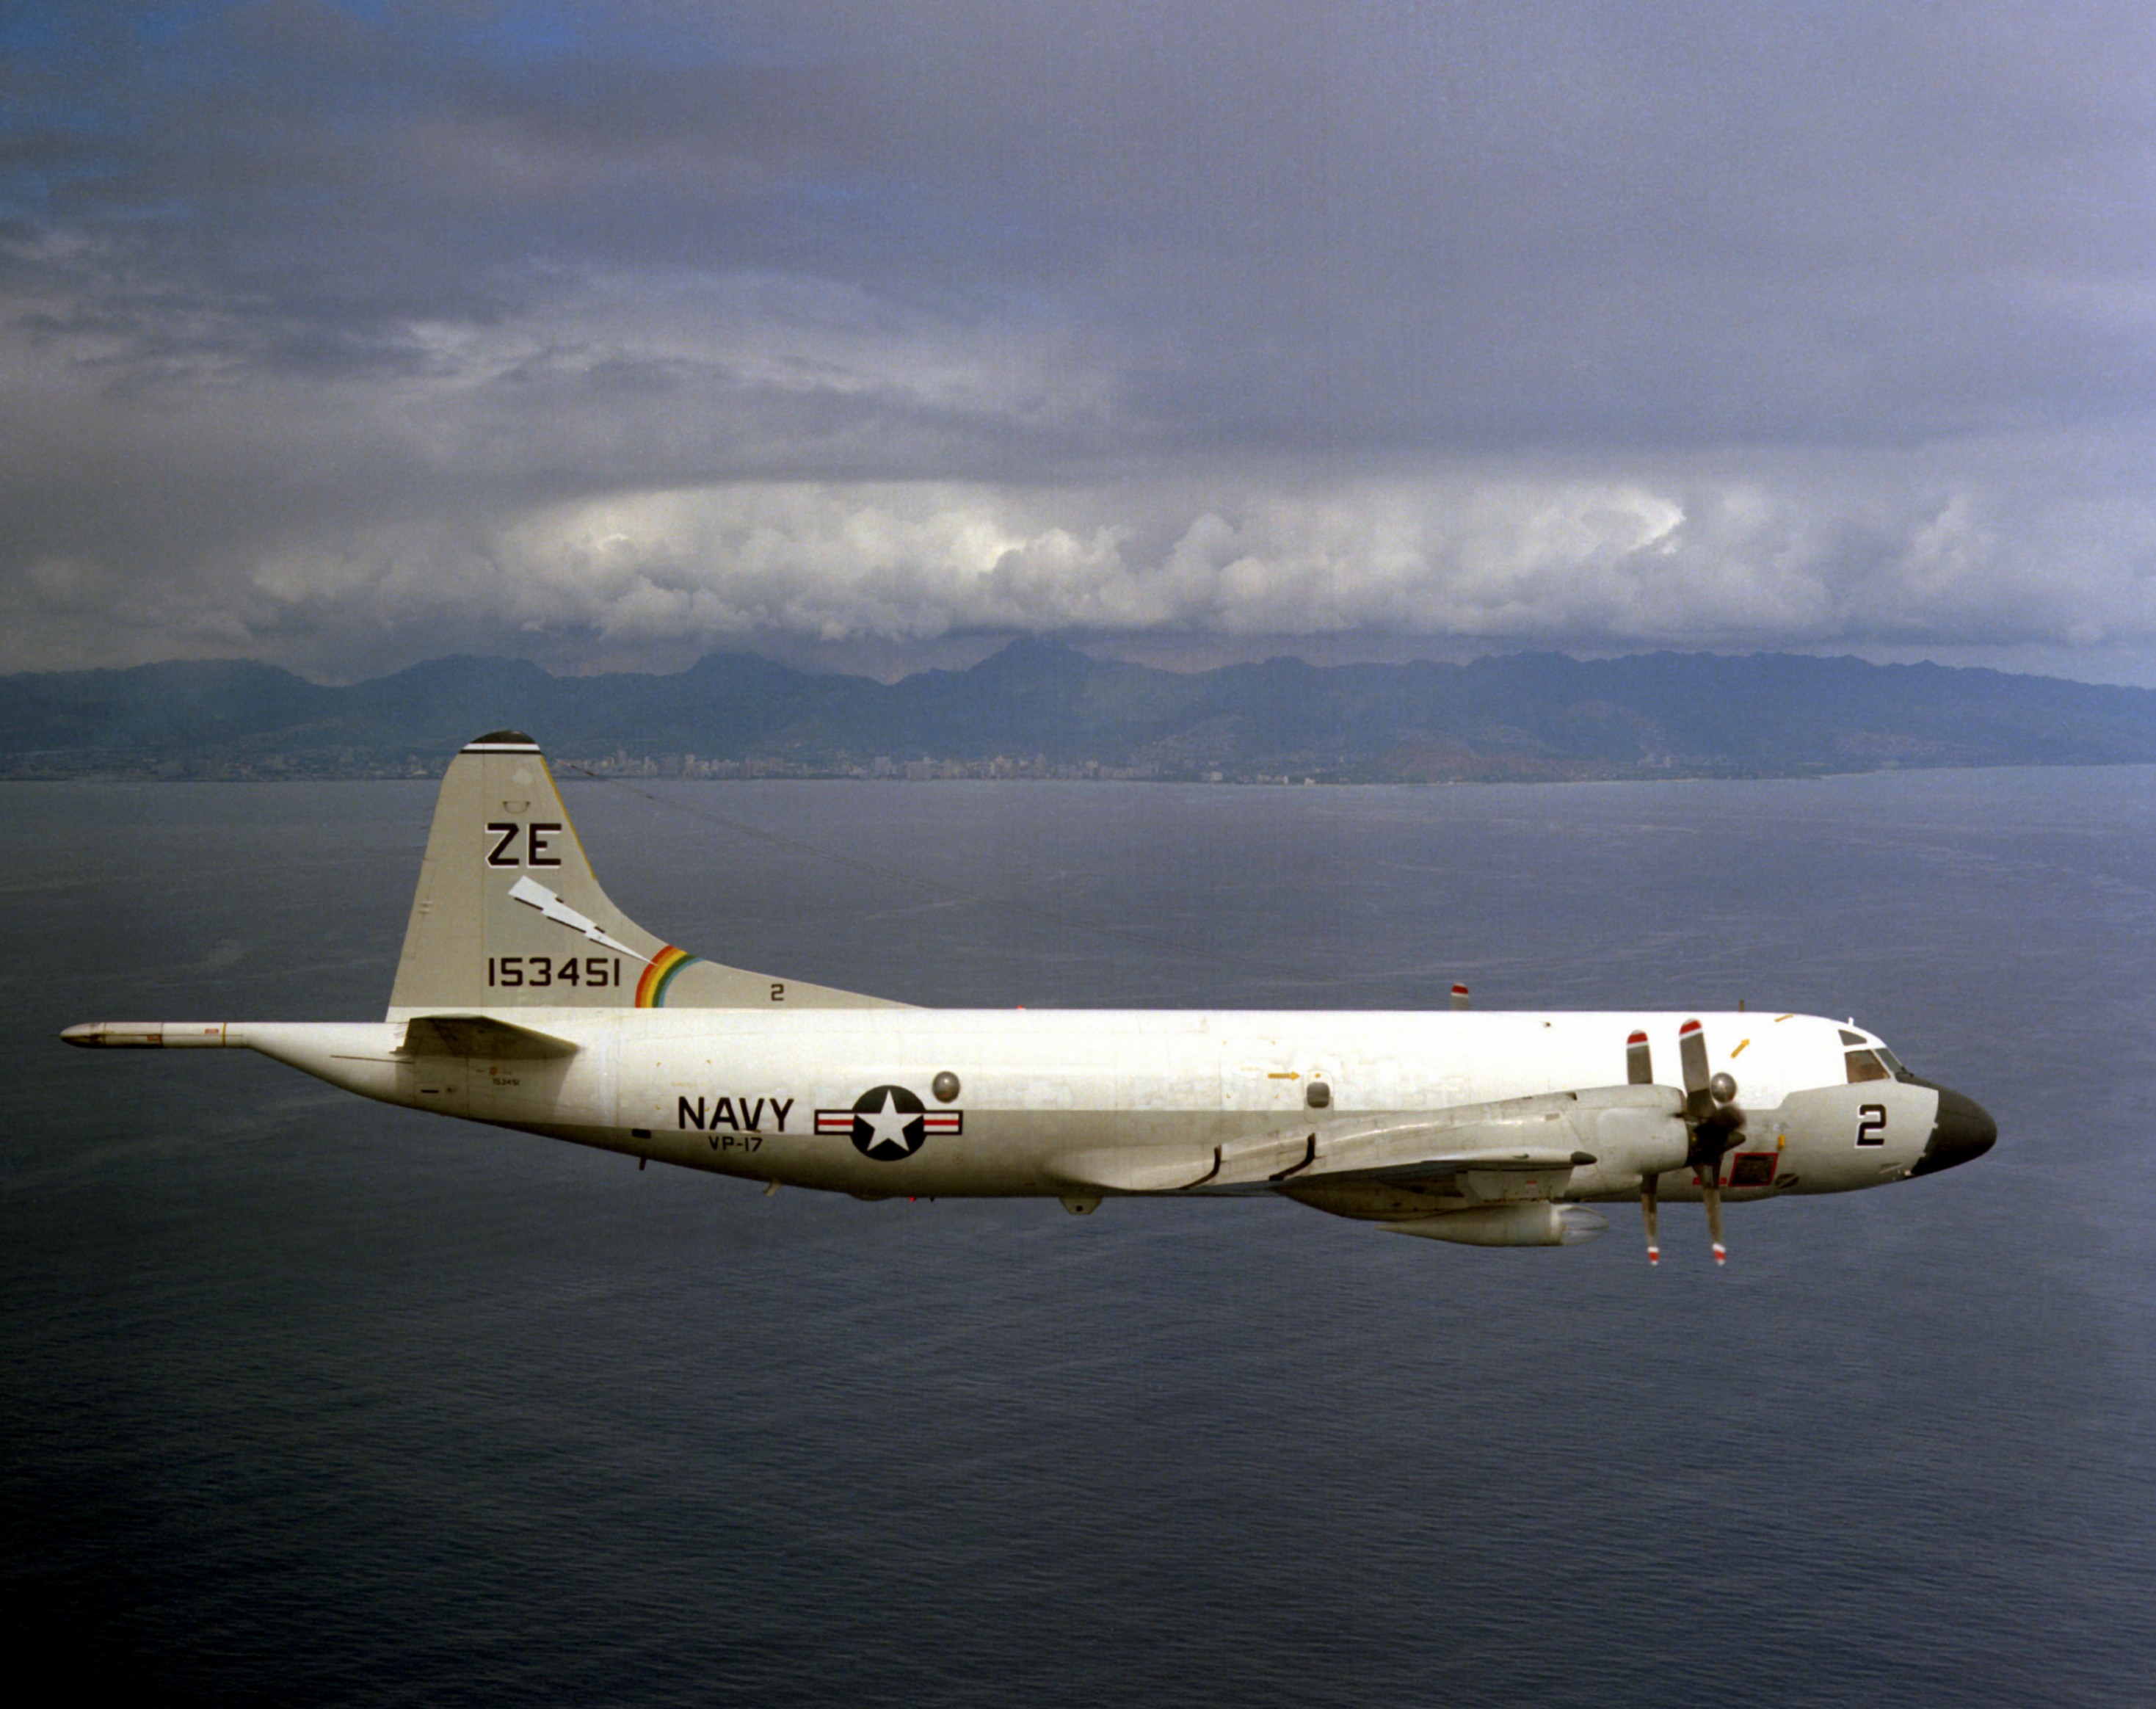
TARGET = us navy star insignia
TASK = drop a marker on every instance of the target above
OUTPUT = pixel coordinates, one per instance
(889, 1123)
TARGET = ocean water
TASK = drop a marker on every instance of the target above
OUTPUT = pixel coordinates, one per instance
(307, 1399)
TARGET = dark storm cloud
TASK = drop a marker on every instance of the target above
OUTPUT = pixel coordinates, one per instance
(337, 333)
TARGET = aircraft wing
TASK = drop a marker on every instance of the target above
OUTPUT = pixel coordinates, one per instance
(1521, 1148)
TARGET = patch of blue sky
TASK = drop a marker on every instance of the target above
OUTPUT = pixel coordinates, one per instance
(71, 119)
(28, 30)
(858, 191)
(171, 48)
(60, 31)
(509, 36)
(58, 147)
(520, 36)
(161, 26)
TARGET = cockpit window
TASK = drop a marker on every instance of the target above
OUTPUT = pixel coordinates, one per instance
(1865, 1064)
(1849, 1038)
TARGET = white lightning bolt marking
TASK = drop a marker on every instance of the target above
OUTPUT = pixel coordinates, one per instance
(537, 895)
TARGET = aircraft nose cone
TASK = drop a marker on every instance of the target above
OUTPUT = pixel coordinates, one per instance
(1961, 1131)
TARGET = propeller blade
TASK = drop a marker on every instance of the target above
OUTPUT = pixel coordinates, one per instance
(1692, 1056)
(1639, 1061)
(1711, 1191)
(1459, 997)
(1647, 1215)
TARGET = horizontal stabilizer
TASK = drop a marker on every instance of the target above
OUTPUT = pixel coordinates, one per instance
(478, 1035)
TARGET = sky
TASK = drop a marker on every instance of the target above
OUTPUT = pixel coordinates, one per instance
(342, 336)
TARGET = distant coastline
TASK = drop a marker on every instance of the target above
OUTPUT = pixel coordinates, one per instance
(1042, 710)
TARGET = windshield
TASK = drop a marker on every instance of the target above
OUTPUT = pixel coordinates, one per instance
(1865, 1064)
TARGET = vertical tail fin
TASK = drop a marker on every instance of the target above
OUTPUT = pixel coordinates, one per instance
(509, 914)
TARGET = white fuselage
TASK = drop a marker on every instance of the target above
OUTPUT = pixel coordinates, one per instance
(739, 1091)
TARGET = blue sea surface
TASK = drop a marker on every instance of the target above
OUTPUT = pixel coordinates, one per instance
(307, 1399)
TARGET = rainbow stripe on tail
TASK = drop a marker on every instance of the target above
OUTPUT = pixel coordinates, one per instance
(651, 988)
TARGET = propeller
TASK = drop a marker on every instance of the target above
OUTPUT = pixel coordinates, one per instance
(1712, 1114)
(1712, 1121)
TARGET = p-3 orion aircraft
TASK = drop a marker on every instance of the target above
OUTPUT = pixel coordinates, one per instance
(526, 999)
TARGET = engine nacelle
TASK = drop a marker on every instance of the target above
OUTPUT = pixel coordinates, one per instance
(1537, 1224)
(1629, 1143)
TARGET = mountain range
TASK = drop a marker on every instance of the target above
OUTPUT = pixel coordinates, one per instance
(1042, 708)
